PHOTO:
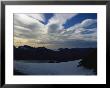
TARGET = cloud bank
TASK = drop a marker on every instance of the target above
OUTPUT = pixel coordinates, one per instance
(29, 29)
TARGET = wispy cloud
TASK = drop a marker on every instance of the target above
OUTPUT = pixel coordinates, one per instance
(30, 28)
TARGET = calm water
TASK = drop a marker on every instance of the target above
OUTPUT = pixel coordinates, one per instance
(45, 68)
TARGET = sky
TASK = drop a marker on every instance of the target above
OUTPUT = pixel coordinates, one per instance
(56, 30)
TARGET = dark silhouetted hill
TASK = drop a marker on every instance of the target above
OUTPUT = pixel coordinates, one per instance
(88, 55)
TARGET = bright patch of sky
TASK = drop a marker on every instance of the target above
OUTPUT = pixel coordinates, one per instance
(56, 30)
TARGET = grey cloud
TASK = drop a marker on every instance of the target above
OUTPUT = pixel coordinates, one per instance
(77, 36)
(53, 28)
(80, 43)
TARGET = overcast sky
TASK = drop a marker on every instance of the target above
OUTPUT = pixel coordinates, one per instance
(52, 30)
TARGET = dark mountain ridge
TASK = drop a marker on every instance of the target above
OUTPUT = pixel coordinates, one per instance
(88, 55)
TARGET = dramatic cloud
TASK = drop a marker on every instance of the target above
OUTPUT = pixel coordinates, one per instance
(55, 24)
(62, 18)
(78, 31)
(39, 17)
(29, 29)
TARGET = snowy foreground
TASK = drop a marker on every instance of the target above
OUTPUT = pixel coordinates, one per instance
(63, 68)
